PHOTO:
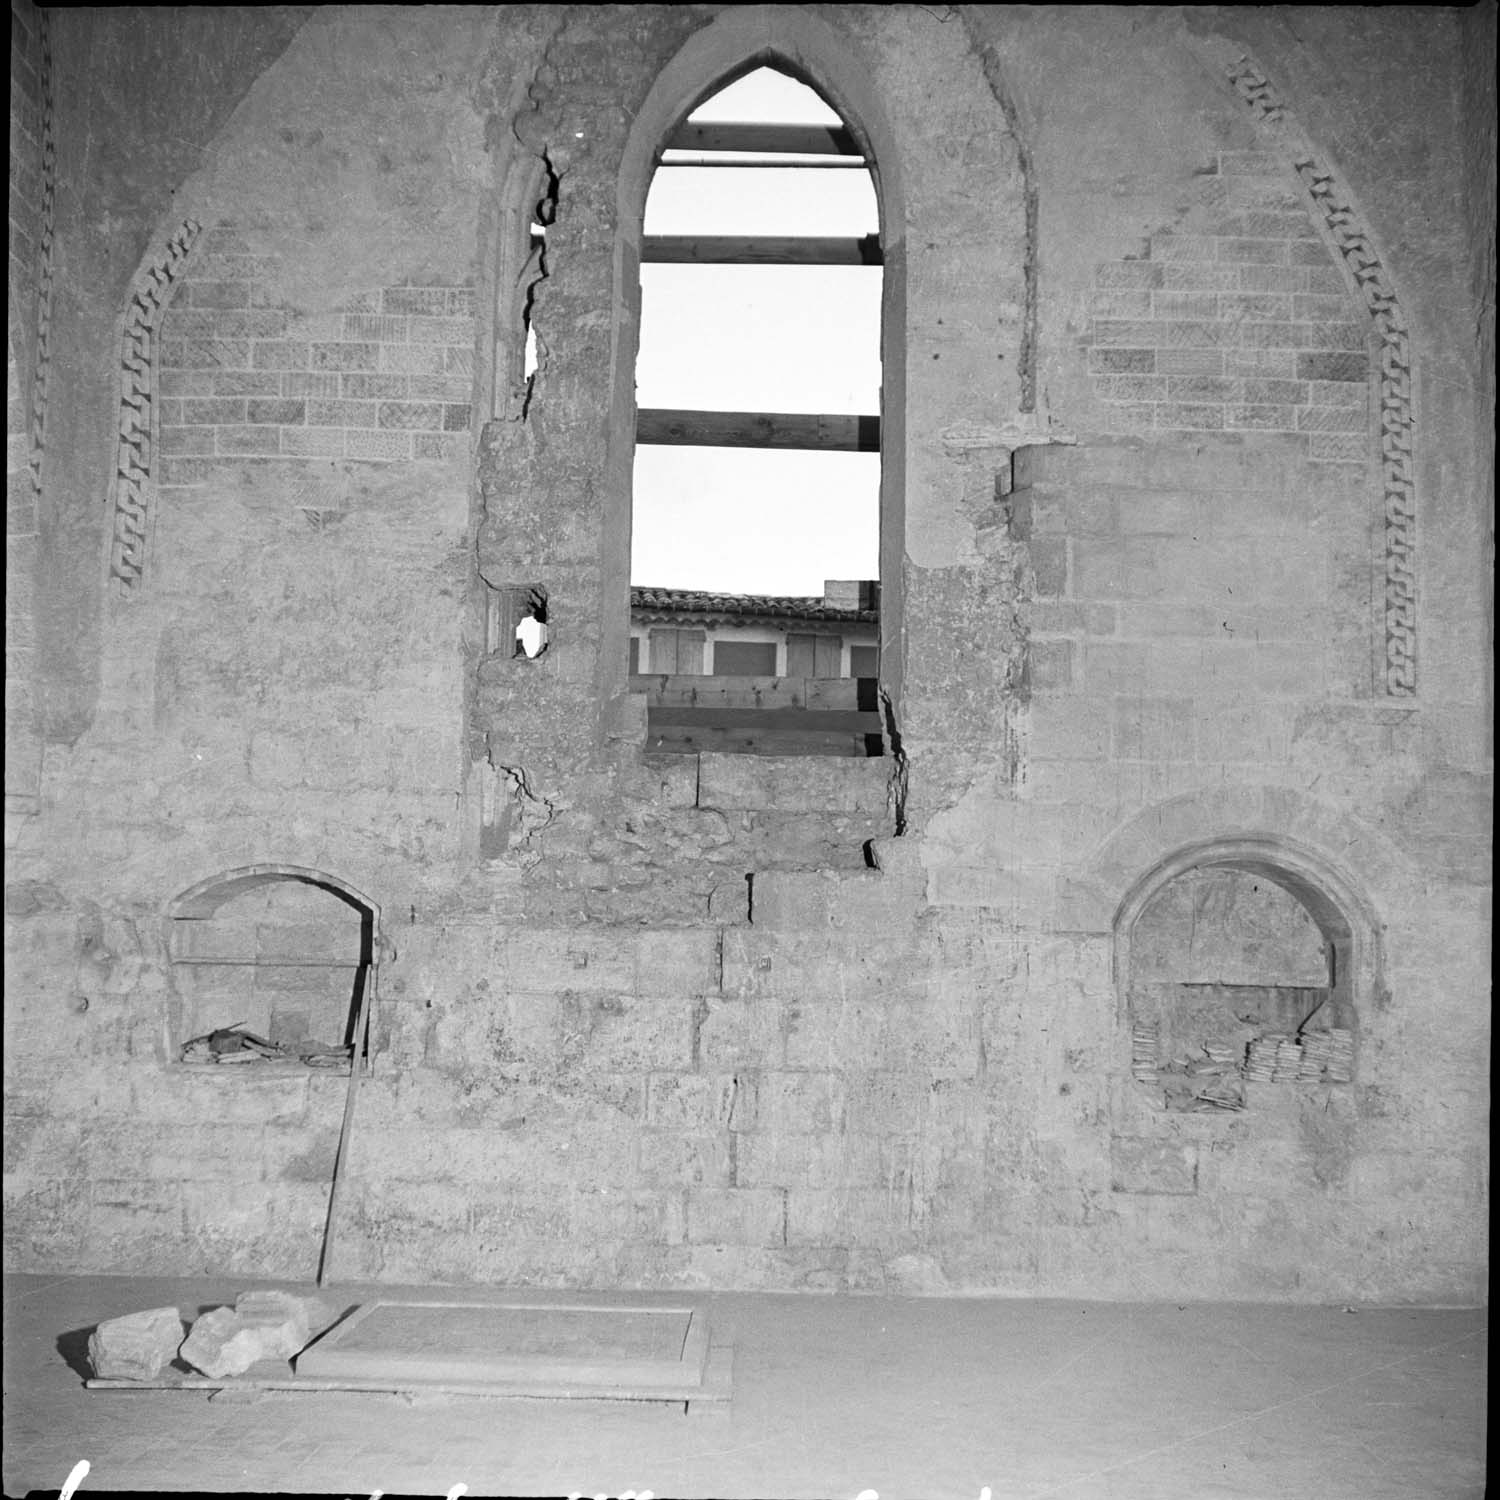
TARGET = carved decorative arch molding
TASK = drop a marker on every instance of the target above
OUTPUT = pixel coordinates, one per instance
(130, 497)
(1341, 221)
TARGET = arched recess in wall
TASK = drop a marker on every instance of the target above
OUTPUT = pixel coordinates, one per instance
(1241, 962)
(285, 953)
(800, 44)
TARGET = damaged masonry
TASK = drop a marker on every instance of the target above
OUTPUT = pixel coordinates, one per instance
(1061, 873)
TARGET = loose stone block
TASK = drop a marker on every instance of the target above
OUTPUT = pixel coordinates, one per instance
(138, 1346)
(261, 1325)
(298, 1313)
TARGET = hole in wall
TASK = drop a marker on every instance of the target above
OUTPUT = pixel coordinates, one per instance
(531, 634)
(517, 623)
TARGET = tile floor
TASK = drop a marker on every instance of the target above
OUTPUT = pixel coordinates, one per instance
(910, 1398)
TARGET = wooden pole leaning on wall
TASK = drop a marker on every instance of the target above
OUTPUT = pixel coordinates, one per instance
(358, 1052)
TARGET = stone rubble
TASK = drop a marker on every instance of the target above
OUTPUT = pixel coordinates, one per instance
(138, 1346)
(261, 1325)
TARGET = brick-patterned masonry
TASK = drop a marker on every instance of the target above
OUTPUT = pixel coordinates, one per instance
(1239, 321)
(386, 377)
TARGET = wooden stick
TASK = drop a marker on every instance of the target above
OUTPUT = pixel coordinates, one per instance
(361, 1044)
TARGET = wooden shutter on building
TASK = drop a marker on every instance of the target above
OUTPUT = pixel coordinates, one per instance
(678, 651)
(814, 655)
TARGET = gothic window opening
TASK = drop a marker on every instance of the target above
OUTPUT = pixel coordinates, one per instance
(757, 472)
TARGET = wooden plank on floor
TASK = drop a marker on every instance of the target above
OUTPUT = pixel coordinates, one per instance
(713, 1388)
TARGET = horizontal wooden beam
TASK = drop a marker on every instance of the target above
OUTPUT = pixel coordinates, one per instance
(757, 429)
(760, 250)
(672, 739)
(754, 163)
(671, 691)
(781, 140)
(809, 721)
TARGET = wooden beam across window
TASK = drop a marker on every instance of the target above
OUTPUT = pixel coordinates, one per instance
(760, 250)
(753, 163)
(781, 140)
(757, 429)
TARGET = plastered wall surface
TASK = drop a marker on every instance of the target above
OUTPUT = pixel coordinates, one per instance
(1184, 637)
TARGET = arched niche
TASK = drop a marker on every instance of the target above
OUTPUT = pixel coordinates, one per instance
(285, 952)
(1239, 963)
(798, 43)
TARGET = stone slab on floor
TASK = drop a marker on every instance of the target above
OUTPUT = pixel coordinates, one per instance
(422, 1342)
(910, 1397)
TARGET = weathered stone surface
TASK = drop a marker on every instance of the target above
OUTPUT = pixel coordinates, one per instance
(1153, 1166)
(300, 1316)
(261, 1325)
(138, 1346)
(625, 1001)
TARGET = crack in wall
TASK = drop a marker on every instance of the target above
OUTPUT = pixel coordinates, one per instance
(535, 128)
(897, 784)
(534, 275)
(517, 814)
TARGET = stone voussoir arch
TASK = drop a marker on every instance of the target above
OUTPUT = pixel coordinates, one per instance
(1324, 859)
(204, 898)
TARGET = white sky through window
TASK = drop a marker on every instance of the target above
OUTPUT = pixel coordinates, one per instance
(766, 95)
(804, 338)
(758, 338)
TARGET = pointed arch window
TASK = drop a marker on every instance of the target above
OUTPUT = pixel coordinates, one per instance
(757, 473)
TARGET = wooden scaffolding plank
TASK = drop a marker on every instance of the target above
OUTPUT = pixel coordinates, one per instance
(761, 250)
(780, 140)
(681, 739)
(767, 720)
(715, 1386)
(847, 693)
(757, 429)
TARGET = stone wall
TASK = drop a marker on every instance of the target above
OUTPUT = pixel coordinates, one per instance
(26, 365)
(1171, 293)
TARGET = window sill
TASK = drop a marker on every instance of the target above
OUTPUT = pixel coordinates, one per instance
(266, 1070)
